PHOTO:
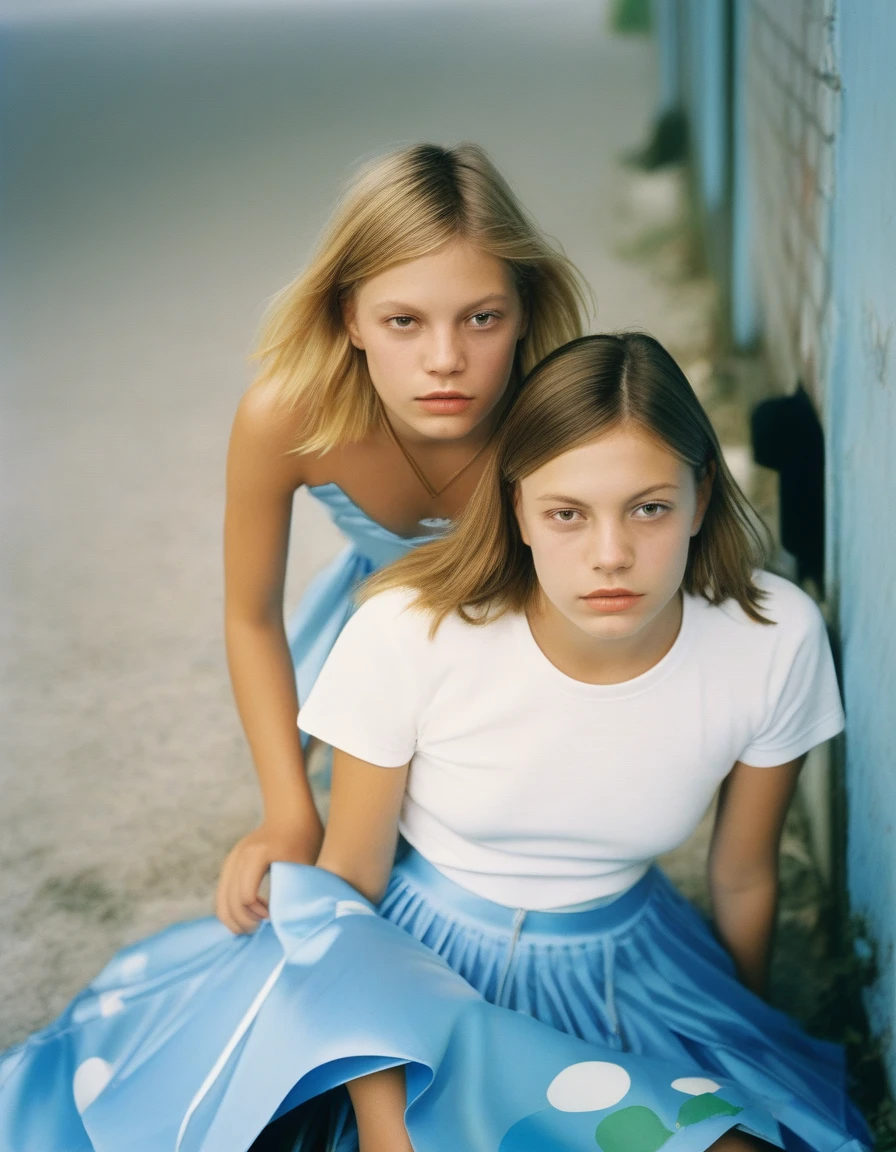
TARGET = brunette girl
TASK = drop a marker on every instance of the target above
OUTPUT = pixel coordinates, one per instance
(547, 700)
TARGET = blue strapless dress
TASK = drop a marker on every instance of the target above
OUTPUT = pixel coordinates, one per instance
(618, 1029)
(327, 603)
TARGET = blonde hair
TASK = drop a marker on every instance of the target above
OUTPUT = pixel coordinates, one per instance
(403, 206)
(580, 391)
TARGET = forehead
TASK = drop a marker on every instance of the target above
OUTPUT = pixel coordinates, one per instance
(619, 462)
(458, 270)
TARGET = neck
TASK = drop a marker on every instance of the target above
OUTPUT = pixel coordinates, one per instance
(595, 660)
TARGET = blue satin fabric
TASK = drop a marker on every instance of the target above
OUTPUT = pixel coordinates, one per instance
(327, 603)
(643, 975)
(192, 1040)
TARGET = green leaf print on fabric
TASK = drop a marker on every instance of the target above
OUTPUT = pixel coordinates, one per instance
(702, 1107)
(635, 1129)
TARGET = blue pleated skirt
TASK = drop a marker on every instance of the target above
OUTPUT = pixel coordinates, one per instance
(643, 974)
(621, 1028)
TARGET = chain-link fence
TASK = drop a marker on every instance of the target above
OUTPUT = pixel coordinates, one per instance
(793, 88)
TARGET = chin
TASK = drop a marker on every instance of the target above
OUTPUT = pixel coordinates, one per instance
(446, 427)
(614, 626)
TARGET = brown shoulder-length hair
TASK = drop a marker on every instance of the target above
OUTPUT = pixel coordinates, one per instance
(577, 393)
(402, 206)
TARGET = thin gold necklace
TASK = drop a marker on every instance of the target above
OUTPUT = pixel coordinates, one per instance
(418, 471)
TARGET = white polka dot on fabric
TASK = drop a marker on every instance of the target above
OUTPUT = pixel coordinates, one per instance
(133, 966)
(588, 1086)
(91, 1077)
(695, 1085)
(111, 1003)
(352, 908)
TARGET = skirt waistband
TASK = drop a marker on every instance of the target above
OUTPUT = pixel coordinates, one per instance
(609, 918)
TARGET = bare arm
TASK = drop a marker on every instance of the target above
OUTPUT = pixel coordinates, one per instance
(362, 828)
(261, 479)
(359, 846)
(743, 864)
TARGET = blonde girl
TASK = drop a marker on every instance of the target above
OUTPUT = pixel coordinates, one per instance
(386, 368)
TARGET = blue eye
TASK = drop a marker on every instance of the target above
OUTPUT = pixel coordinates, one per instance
(401, 321)
(483, 319)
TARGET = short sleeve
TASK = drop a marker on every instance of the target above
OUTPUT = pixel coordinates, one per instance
(803, 701)
(365, 700)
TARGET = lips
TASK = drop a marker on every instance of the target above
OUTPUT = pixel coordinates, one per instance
(610, 592)
(445, 403)
(612, 599)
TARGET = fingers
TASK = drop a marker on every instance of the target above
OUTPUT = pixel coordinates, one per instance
(250, 904)
(237, 903)
(221, 903)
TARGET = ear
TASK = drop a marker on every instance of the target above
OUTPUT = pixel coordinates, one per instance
(519, 516)
(704, 492)
(349, 307)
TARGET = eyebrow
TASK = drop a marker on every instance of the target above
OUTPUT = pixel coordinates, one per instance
(399, 306)
(561, 499)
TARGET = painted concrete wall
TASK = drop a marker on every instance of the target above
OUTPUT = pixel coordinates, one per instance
(703, 24)
(702, 28)
(666, 26)
(791, 95)
(786, 91)
(812, 169)
(861, 431)
(745, 326)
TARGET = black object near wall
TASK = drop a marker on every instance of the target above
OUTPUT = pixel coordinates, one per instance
(788, 437)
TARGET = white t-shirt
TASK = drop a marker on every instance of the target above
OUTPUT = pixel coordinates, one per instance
(538, 791)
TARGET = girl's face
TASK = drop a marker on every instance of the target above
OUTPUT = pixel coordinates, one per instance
(439, 334)
(609, 526)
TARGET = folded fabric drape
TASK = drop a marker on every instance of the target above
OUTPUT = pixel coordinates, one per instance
(193, 1040)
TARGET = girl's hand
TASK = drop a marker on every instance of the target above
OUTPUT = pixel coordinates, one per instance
(237, 903)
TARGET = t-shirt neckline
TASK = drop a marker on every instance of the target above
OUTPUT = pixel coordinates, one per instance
(634, 687)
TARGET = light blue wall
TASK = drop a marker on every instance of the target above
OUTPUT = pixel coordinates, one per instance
(713, 66)
(744, 306)
(861, 430)
(706, 62)
(703, 68)
(860, 396)
(666, 32)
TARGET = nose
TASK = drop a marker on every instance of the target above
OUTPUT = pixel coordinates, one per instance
(444, 352)
(609, 547)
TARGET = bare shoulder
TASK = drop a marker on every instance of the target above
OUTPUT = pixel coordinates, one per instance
(263, 438)
(264, 418)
